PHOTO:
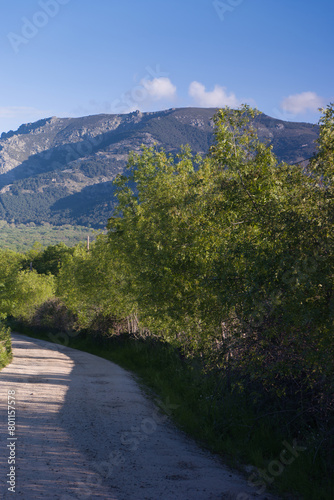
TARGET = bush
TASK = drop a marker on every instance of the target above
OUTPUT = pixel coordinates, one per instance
(6, 355)
(53, 315)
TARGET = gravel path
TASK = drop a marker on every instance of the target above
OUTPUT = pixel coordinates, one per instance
(85, 430)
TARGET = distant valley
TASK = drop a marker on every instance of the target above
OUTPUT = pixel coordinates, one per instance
(60, 170)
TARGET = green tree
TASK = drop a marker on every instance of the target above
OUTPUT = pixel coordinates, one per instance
(159, 235)
(234, 239)
(10, 265)
(90, 284)
(49, 259)
(21, 291)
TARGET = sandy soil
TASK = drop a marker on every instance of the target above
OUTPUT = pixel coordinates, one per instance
(85, 430)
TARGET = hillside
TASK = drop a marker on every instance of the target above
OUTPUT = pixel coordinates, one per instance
(60, 170)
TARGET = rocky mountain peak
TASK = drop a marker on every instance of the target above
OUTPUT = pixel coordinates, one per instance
(60, 170)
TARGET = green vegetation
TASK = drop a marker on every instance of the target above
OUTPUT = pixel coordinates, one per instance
(71, 182)
(21, 291)
(22, 237)
(5, 346)
(213, 283)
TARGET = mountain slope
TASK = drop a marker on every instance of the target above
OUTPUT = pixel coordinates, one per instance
(60, 170)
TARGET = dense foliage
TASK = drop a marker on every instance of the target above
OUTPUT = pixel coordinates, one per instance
(90, 283)
(235, 248)
(227, 257)
(5, 346)
(21, 290)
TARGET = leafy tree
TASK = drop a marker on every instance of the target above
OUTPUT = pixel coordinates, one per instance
(158, 235)
(49, 259)
(234, 239)
(31, 290)
(9, 266)
(90, 284)
(21, 291)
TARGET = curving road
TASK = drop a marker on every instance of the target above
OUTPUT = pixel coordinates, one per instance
(85, 430)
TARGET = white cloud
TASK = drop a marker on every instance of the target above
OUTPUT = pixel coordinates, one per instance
(218, 97)
(301, 103)
(159, 88)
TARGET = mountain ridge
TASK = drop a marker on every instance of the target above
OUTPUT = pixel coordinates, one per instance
(60, 170)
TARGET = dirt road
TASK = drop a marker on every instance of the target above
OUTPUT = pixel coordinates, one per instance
(85, 430)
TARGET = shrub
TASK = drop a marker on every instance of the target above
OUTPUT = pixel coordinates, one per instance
(6, 354)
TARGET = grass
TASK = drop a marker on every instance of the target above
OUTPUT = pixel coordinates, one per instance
(230, 424)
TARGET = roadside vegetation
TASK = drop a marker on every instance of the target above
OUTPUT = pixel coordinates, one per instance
(6, 354)
(214, 283)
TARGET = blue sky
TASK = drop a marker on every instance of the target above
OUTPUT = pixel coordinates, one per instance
(80, 57)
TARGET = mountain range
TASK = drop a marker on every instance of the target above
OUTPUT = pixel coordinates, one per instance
(60, 170)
